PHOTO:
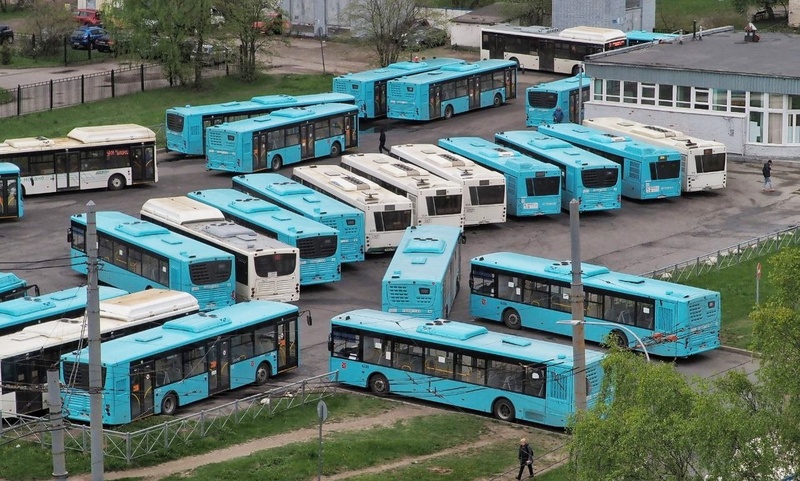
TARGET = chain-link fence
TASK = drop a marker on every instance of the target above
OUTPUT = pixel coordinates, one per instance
(728, 256)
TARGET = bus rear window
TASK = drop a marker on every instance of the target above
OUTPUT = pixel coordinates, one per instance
(710, 162)
(392, 220)
(213, 272)
(175, 122)
(444, 204)
(599, 178)
(665, 170)
(275, 265)
(77, 374)
(487, 195)
(542, 100)
(543, 186)
(317, 247)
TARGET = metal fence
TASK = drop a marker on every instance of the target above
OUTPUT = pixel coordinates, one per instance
(54, 94)
(728, 256)
(132, 445)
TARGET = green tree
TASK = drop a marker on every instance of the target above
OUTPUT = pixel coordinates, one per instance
(249, 22)
(743, 6)
(530, 12)
(384, 24)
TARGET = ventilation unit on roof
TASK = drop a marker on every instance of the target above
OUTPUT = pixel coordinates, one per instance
(503, 152)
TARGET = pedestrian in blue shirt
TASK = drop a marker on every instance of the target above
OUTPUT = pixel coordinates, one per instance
(558, 116)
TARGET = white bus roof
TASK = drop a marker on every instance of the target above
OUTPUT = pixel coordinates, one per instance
(401, 174)
(444, 163)
(592, 34)
(182, 210)
(111, 133)
(343, 184)
(658, 134)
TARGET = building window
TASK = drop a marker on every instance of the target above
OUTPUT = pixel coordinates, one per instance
(738, 100)
(598, 89)
(648, 94)
(793, 133)
(756, 99)
(775, 129)
(684, 97)
(612, 90)
(701, 98)
(720, 100)
(630, 92)
(756, 127)
(665, 95)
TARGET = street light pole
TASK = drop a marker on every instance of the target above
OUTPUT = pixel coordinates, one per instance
(576, 293)
(619, 326)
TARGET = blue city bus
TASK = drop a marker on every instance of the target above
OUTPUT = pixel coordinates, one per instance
(283, 137)
(318, 244)
(532, 187)
(369, 87)
(13, 287)
(542, 99)
(303, 200)
(136, 255)
(636, 37)
(462, 365)
(452, 89)
(672, 320)
(10, 191)
(590, 179)
(648, 171)
(424, 275)
(186, 126)
(185, 360)
(25, 311)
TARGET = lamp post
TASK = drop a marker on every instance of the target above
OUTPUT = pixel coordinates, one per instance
(619, 326)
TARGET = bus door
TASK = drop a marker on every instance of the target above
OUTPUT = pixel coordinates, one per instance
(68, 171)
(547, 55)
(260, 150)
(287, 345)
(142, 394)
(435, 102)
(350, 131)
(142, 164)
(380, 99)
(474, 91)
(219, 366)
(510, 81)
(307, 141)
(9, 195)
(494, 43)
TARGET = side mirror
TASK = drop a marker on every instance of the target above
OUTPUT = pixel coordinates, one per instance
(330, 343)
(69, 235)
(463, 239)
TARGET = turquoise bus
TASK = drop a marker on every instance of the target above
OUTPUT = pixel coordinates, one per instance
(136, 255)
(452, 89)
(283, 137)
(369, 87)
(648, 171)
(672, 320)
(532, 187)
(462, 365)
(27, 355)
(424, 275)
(12, 287)
(305, 201)
(10, 191)
(636, 37)
(590, 179)
(542, 99)
(186, 126)
(25, 311)
(320, 261)
(185, 360)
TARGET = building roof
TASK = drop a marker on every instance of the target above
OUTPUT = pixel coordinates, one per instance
(488, 15)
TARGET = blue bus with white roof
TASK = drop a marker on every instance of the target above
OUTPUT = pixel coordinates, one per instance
(313, 205)
(542, 99)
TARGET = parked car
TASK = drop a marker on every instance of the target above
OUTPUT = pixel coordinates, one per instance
(110, 44)
(6, 34)
(214, 54)
(424, 35)
(88, 17)
(85, 37)
(275, 23)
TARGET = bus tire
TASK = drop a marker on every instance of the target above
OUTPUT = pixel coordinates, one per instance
(511, 319)
(277, 163)
(336, 149)
(498, 100)
(618, 338)
(169, 405)
(379, 385)
(448, 112)
(503, 409)
(262, 374)
(116, 182)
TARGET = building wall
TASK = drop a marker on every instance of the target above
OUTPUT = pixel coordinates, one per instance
(641, 15)
(794, 13)
(466, 34)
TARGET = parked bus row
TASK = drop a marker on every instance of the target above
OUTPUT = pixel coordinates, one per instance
(703, 162)
(14, 287)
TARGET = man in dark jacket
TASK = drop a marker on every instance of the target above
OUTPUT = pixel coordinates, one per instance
(525, 458)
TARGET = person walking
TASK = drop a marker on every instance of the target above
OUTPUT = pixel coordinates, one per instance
(558, 116)
(382, 140)
(525, 456)
(767, 171)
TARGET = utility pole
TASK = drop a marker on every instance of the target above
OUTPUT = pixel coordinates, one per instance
(578, 339)
(56, 426)
(93, 322)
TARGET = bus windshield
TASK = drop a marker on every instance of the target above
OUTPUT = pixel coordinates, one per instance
(444, 204)
(710, 162)
(487, 194)
(543, 186)
(392, 220)
(275, 265)
(542, 100)
(665, 170)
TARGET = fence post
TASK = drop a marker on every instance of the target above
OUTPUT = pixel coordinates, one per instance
(203, 423)
(51, 94)
(128, 453)
(113, 85)
(65, 51)
(83, 88)
(19, 100)
(141, 75)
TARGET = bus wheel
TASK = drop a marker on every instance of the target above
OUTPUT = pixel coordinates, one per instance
(618, 338)
(169, 404)
(503, 410)
(511, 319)
(262, 374)
(379, 385)
(448, 112)
(277, 163)
(498, 100)
(336, 150)
(116, 182)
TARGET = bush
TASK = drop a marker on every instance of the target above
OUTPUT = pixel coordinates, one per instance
(5, 54)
